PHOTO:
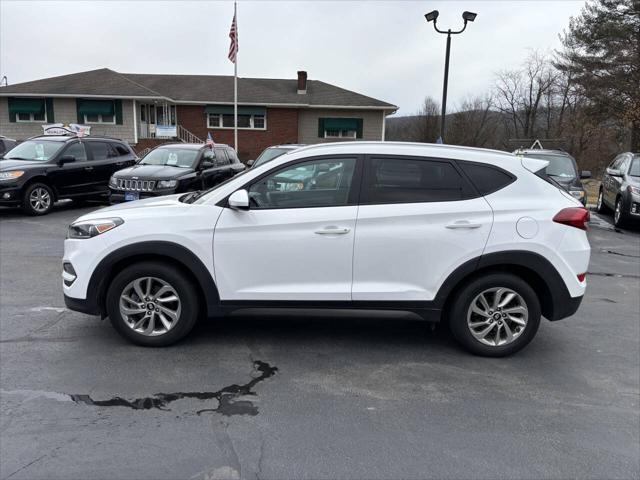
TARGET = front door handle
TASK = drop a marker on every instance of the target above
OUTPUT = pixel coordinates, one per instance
(463, 224)
(333, 231)
(88, 169)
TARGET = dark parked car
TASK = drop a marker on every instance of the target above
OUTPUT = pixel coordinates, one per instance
(41, 170)
(620, 189)
(563, 169)
(6, 144)
(175, 168)
(270, 153)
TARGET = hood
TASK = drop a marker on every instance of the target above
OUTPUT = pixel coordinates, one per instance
(7, 164)
(569, 182)
(155, 172)
(132, 207)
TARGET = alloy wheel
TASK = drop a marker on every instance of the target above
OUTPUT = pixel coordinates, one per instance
(40, 199)
(150, 306)
(497, 316)
(618, 212)
(599, 205)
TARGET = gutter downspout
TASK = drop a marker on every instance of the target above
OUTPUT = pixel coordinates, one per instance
(135, 123)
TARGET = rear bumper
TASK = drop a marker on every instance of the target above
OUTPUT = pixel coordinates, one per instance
(565, 308)
(90, 307)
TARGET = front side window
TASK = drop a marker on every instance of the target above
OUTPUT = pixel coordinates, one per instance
(407, 180)
(77, 151)
(175, 157)
(37, 150)
(315, 183)
(218, 120)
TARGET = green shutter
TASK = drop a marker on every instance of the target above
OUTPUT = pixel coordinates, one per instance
(12, 114)
(359, 128)
(341, 124)
(118, 108)
(26, 105)
(49, 106)
(79, 111)
(321, 127)
(228, 110)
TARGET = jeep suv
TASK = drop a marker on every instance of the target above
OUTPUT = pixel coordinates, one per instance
(175, 168)
(470, 236)
(41, 170)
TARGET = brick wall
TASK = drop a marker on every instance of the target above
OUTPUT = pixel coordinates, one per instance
(282, 127)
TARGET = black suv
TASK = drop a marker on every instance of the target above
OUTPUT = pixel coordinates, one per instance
(563, 169)
(620, 189)
(175, 168)
(41, 170)
(6, 144)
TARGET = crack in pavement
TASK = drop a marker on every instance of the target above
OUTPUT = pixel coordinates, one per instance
(617, 275)
(613, 252)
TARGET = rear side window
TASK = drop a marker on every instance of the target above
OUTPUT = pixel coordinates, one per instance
(411, 180)
(485, 178)
(221, 157)
(102, 150)
(121, 149)
(232, 155)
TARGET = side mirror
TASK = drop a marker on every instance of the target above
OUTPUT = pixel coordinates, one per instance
(207, 164)
(66, 159)
(239, 200)
(613, 172)
(250, 162)
(585, 174)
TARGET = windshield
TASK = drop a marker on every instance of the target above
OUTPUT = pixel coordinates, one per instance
(634, 171)
(175, 157)
(36, 150)
(269, 154)
(559, 165)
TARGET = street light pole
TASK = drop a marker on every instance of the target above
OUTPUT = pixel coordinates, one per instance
(433, 17)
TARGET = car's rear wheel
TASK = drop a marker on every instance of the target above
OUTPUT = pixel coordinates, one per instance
(152, 304)
(495, 315)
(38, 199)
(600, 205)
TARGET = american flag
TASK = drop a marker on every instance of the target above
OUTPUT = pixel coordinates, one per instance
(233, 35)
(210, 143)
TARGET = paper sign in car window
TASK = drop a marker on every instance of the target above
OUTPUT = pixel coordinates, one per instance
(173, 159)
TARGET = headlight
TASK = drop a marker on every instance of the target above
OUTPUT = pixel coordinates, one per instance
(113, 182)
(167, 183)
(11, 175)
(634, 190)
(577, 193)
(91, 228)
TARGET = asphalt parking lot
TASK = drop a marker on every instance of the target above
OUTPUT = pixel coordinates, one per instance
(287, 397)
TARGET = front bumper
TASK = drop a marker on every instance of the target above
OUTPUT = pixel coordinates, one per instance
(117, 196)
(10, 195)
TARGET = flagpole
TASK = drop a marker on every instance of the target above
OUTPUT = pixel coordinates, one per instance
(235, 85)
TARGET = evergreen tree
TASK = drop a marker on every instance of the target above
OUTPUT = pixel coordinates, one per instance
(602, 56)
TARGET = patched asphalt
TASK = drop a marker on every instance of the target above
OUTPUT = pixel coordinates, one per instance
(314, 397)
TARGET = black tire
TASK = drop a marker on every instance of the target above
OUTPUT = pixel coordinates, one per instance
(620, 217)
(184, 287)
(46, 193)
(600, 206)
(457, 314)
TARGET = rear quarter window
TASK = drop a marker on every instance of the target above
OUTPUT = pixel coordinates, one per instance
(486, 178)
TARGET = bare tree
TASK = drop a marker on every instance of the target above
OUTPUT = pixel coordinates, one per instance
(474, 124)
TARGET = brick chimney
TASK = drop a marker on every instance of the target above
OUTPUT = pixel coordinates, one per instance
(302, 82)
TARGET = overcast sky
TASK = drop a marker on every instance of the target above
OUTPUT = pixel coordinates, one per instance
(382, 49)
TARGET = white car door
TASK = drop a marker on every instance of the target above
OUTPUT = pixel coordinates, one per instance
(296, 240)
(416, 223)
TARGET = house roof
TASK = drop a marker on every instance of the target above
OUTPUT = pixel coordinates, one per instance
(194, 89)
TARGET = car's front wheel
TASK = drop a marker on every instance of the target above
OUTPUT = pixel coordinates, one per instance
(152, 304)
(619, 215)
(38, 199)
(600, 205)
(495, 315)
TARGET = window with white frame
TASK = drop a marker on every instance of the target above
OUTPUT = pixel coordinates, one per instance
(340, 134)
(224, 120)
(31, 117)
(99, 118)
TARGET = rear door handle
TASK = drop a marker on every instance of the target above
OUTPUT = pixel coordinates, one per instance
(88, 169)
(333, 231)
(463, 224)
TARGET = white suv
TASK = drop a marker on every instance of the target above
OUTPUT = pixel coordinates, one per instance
(478, 238)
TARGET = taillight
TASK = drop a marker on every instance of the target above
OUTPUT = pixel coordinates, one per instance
(573, 216)
(582, 276)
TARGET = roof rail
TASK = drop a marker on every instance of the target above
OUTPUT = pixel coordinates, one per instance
(75, 135)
